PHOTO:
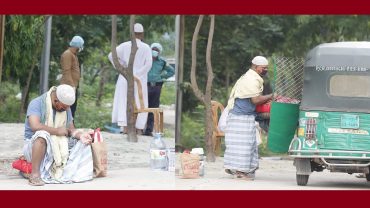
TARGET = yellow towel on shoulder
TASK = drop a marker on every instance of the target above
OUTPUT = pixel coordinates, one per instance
(59, 144)
(248, 85)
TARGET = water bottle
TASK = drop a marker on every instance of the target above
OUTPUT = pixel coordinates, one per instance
(171, 156)
(200, 152)
(158, 153)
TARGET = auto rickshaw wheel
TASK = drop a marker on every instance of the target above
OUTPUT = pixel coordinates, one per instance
(302, 179)
(367, 176)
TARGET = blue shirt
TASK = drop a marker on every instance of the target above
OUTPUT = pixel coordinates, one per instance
(34, 109)
(243, 107)
(160, 71)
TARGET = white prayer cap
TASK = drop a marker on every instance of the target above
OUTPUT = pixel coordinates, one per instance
(260, 60)
(138, 28)
(66, 94)
(156, 45)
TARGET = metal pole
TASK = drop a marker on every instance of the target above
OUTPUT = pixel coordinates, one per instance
(45, 58)
(179, 48)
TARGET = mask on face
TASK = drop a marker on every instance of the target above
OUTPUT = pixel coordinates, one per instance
(155, 53)
(80, 49)
(263, 73)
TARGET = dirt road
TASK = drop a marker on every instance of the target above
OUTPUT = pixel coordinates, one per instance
(273, 174)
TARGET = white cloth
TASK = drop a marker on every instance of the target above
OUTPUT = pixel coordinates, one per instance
(59, 144)
(222, 120)
(142, 65)
(79, 167)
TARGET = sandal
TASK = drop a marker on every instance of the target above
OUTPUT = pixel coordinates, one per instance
(35, 181)
(228, 171)
(24, 175)
(244, 176)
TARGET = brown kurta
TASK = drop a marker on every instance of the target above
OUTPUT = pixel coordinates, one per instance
(70, 68)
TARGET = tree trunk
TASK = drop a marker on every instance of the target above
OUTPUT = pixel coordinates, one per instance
(26, 89)
(131, 117)
(206, 97)
(128, 74)
(227, 77)
(103, 78)
(2, 33)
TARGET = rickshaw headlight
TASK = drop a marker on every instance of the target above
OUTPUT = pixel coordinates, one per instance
(301, 132)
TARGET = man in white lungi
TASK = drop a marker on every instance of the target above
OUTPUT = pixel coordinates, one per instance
(49, 130)
(142, 64)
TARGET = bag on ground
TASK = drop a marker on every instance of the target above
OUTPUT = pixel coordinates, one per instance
(99, 153)
(189, 165)
(22, 165)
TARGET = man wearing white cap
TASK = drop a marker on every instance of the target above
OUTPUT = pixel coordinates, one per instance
(142, 65)
(241, 154)
(48, 118)
(159, 72)
(71, 67)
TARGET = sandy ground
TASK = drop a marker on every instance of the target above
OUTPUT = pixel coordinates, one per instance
(274, 173)
(128, 163)
(128, 169)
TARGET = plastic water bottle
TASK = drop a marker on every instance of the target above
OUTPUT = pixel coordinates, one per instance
(200, 152)
(158, 153)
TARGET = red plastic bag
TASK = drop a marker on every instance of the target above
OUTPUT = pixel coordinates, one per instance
(263, 108)
(22, 165)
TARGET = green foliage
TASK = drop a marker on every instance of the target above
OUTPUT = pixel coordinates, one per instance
(168, 93)
(22, 46)
(263, 150)
(90, 116)
(9, 111)
(192, 130)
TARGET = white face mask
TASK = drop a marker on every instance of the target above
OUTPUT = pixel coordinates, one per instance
(155, 53)
(80, 49)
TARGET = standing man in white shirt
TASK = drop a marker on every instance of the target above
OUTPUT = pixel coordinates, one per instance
(142, 64)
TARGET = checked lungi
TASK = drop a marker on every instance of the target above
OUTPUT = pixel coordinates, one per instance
(241, 152)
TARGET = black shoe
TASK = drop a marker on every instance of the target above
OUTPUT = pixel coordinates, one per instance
(148, 133)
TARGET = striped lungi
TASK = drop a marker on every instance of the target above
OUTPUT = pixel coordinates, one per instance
(79, 166)
(241, 152)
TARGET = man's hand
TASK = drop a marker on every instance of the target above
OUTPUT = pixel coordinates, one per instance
(85, 138)
(62, 131)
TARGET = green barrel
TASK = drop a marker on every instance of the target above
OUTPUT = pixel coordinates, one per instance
(283, 124)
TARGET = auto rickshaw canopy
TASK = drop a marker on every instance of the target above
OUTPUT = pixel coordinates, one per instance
(337, 77)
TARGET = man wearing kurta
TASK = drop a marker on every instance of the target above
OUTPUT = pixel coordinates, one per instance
(71, 67)
(241, 154)
(142, 65)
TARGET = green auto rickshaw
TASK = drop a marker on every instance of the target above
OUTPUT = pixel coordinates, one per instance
(333, 115)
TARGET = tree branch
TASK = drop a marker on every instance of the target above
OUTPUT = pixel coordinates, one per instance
(208, 58)
(117, 65)
(193, 79)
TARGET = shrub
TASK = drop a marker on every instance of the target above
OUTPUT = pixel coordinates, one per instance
(192, 130)
(9, 111)
(168, 93)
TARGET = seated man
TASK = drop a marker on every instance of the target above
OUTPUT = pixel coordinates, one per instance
(49, 115)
